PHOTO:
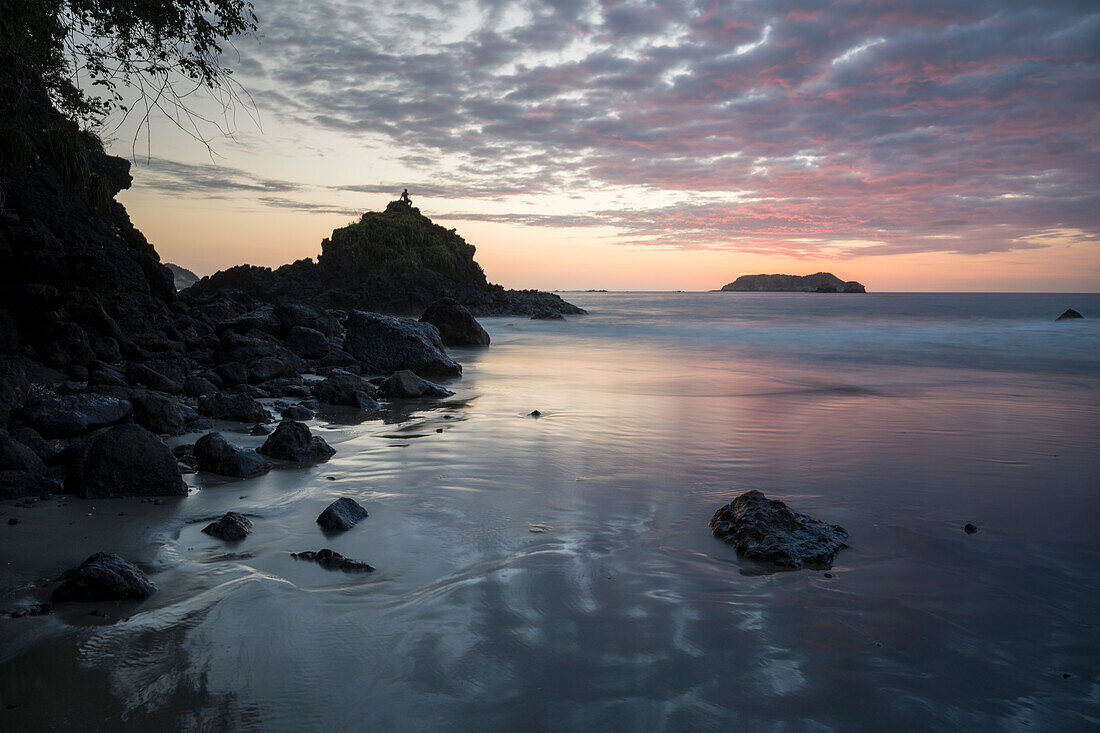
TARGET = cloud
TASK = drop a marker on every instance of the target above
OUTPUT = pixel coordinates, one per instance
(209, 180)
(799, 124)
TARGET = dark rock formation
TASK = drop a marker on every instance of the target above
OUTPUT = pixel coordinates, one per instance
(341, 515)
(74, 414)
(103, 577)
(232, 527)
(396, 261)
(820, 282)
(239, 407)
(307, 343)
(125, 460)
(406, 385)
(292, 441)
(334, 561)
(1070, 313)
(22, 472)
(182, 278)
(766, 530)
(456, 325)
(297, 412)
(384, 344)
(158, 412)
(344, 388)
(970, 528)
(215, 454)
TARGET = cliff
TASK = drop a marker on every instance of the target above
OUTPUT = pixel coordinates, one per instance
(820, 282)
(396, 261)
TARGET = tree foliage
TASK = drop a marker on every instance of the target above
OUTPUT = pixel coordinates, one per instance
(85, 53)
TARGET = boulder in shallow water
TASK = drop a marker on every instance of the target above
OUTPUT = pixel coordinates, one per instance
(1070, 313)
(125, 460)
(456, 325)
(345, 388)
(341, 515)
(405, 384)
(384, 344)
(73, 414)
(292, 441)
(766, 530)
(232, 527)
(215, 454)
(334, 561)
(103, 577)
(297, 412)
(228, 406)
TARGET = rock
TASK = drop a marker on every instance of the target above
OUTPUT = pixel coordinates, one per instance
(307, 343)
(766, 530)
(334, 561)
(406, 385)
(344, 388)
(297, 412)
(271, 367)
(47, 450)
(13, 388)
(199, 386)
(215, 454)
(74, 414)
(970, 528)
(384, 344)
(15, 456)
(456, 325)
(1070, 313)
(233, 373)
(292, 441)
(103, 577)
(146, 376)
(534, 413)
(292, 315)
(22, 472)
(341, 515)
(239, 407)
(158, 412)
(125, 460)
(259, 429)
(232, 527)
(821, 282)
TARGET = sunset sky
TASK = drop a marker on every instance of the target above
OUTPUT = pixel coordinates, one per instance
(921, 145)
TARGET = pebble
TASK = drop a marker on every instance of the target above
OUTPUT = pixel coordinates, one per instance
(970, 528)
(828, 575)
(13, 520)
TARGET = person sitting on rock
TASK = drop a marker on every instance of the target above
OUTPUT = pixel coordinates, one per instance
(405, 198)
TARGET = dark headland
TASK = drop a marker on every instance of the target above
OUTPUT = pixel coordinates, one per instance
(819, 282)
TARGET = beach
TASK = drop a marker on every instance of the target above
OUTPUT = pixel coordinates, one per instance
(558, 572)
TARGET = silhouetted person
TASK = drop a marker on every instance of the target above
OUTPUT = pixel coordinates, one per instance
(405, 198)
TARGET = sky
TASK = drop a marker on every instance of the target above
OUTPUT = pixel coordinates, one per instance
(919, 145)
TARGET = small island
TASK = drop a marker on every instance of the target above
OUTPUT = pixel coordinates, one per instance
(819, 282)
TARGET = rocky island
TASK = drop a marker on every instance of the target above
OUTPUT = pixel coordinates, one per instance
(819, 282)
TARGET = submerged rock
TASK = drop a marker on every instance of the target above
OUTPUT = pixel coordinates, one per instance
(970, 528)
(456, 325)
(215, 454)
(385, 344)
(405, 384)
(292, 441)
(341, 515)
(73, 414)
(766, 530)
(125, 460)
(232, 527)
(334, 561)
(103, 577)
(1070, 313)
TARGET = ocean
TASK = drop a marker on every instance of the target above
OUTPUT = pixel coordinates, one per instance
(558, 572)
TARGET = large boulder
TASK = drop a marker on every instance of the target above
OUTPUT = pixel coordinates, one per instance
(291, 315)
(158, 412)
(104, 577)
(308, 343)
(22, 472)
(766, 530)
(239, 407)
(125, 460)
(215, 454)
(292, 441)
(406, 385)
(456, 325)
(74, 414)
(344, 388)
(385, 344)
(276, 366)
(341, 515)
(13, 388)
(232, 527)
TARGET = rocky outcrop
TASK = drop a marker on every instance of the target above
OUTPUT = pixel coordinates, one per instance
(820, 282)
(231, 527)
(103, 577)
(182, 278)
(341, 515)
(125, 460)
(384, 344)
(766, 530)
(334, 561)
(406, 385)
(215, 454)
(292, 441)
(456, 325)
